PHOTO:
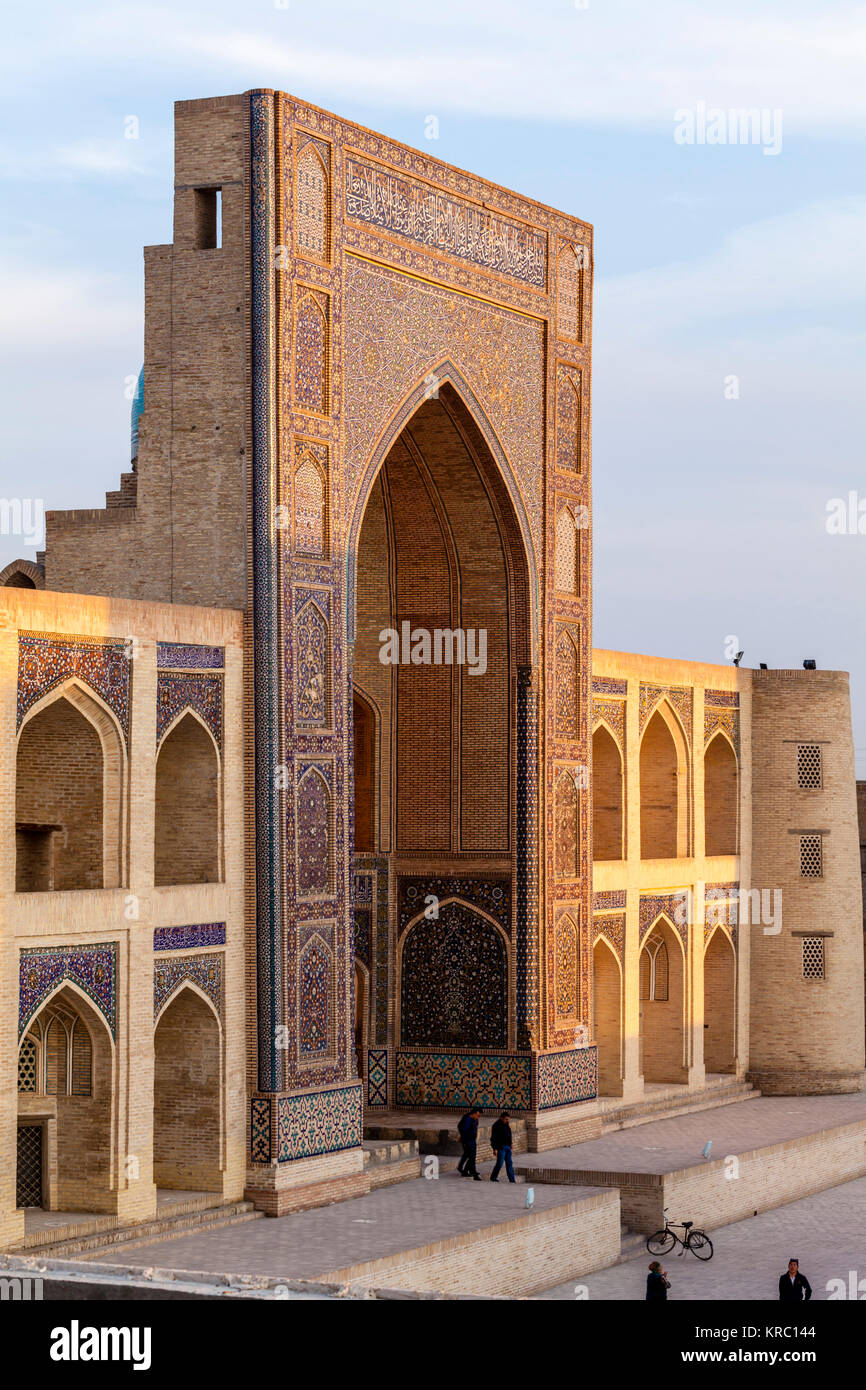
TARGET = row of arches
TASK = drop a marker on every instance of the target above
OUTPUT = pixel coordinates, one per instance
(67, 1068)
(664, 793)
(71, 798)
(663, 1008)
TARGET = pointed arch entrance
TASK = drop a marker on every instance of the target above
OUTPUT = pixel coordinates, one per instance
(187, 1138)
(720, 975)
(443, 623)
(662, 1005)
(607, 1017)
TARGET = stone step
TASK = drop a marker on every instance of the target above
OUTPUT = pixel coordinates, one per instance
(631, 1244)
(437, 1134)
(163, 1227)
(388, 1150)
(642, 1112)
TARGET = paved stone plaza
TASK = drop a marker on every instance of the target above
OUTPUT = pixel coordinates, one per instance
(309, 1244)
(665, 1145)
(825, 1232)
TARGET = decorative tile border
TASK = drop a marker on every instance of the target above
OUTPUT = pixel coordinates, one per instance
(47, 659)
(608, 901)
(204, 971)
(377, 1076)
(319, 1122)
(453, 1080)
(189, 656)
(187, 938)
(203, 694)
(652, 906)
(678, 697)
(612, 927)
(492, 895)
(722, 699)
(606, 685)
(564, 1078)
(92, 968)
(260, 1129)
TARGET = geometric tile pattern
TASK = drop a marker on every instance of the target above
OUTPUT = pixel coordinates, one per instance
(605, 902)
(92, 968)
(612, 927)
(318, 1123)
(204, 971)
(454, 982)
(46, 659)
(673, 905)
(187, 938)
(203, 694)
(260, 1129)
(563, 1078)
(450, 1080)
(188, 656)
(680, 699)
(492, 894)
(377, 1076)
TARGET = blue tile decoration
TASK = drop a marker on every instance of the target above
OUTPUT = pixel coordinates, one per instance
(454, 981)
(607, 685)
(321, 1122)
(377, 1076)
(187, 938)
(260, 1129)
(445, 1080)
(47, 659)
(608, 901)
(674, 906)
(92, 968)
(204, 971)
(564, 1078)
(492, 894)
(203, 694)
(189, 656)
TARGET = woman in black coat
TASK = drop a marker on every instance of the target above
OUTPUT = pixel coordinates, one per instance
(656, 1284)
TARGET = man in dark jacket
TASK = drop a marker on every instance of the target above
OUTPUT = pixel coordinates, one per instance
(468, 1131)
(656, 1283)
(794, 1287)
(500, 1142)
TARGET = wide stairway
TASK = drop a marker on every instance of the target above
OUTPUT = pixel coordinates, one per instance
(662, 1102)
(190, 1214)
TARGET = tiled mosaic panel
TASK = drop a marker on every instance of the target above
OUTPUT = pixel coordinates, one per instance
(312, 658)
(568, 421)
(569, 278)
(527, 858)
(723, 699)
(564, 1078)
(312, 197)
(204, 971)
(454, 985)
(566, 949)
(314, 832)
(315, 965)
(567, 551)
(612, 713)
(310, 497)
(612, 926)
(452, 1080)
(45, 660)
(311, 351)
(363, 934)
(319, 1123)
(603, 902)
(680, 699)
(606, 685)
(260, 1129)
(377, 1076)
(567, 692)
(492, 894)
(186, 938)
(92, 968)
(726, 720)
(188, 656)
(203, 694)
(434, 218)
(675, 906)
(567, 827)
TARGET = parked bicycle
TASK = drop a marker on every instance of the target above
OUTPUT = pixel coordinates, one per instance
(662, 1242)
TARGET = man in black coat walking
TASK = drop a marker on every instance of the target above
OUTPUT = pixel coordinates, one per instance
(468, 1131)
(794, 1287)
(501, 1143)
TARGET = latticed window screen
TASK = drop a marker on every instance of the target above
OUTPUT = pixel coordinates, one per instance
(28, 1062)
(28, 1186)
(813, 957)
(808, 765)
(811, 857)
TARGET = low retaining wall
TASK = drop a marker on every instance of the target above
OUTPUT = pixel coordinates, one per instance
(522, 1256)
(730, 1188)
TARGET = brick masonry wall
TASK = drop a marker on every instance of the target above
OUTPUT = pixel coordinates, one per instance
(59, 782)
(514, 1257)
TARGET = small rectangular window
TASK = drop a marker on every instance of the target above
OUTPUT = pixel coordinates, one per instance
(208, 218)
(811, 856)
(813, 958)
(809, 766)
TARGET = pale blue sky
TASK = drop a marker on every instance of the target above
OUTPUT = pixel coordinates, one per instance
(711, 261)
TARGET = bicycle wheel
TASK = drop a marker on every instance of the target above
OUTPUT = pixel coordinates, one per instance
(700, 1245)
(661, 1243)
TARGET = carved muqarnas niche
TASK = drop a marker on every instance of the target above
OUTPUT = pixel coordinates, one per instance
(454, 982)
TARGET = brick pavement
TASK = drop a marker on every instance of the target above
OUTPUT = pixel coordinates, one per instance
(825, 1232)
(309, 1244)
(664, 1146)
